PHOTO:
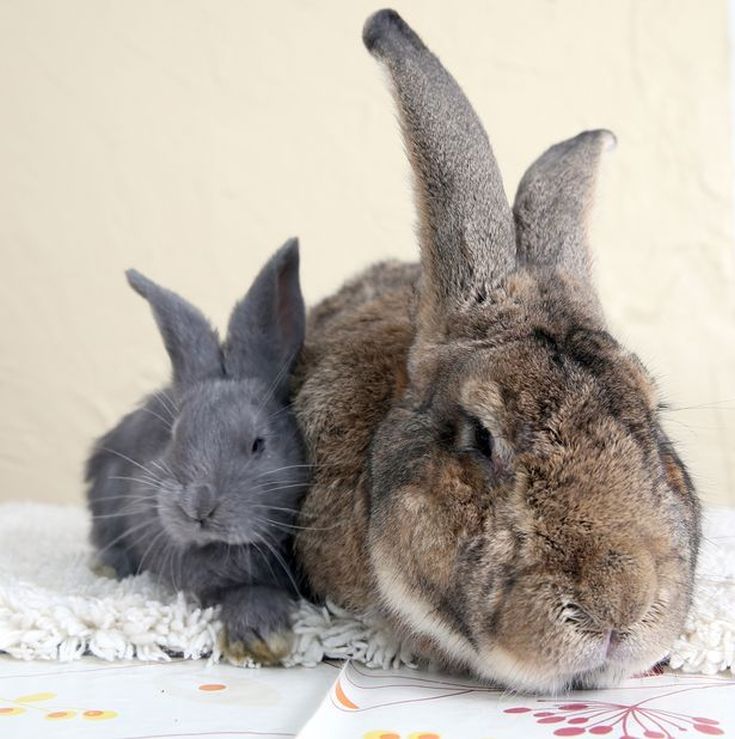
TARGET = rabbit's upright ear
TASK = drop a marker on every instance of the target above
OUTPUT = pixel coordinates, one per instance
(266, 329)
(190, 341)
(466, 228)
(553, 200)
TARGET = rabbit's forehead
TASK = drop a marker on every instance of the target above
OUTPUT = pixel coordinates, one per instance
(539, 336)
(222, 402)
(540, 373)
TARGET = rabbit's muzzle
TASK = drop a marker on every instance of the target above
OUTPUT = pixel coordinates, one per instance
(569, 589)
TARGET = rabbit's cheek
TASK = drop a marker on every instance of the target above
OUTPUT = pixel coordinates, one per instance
(681, 484)
(442, 508)
(413, 608)
(422, 545)
(423, 558)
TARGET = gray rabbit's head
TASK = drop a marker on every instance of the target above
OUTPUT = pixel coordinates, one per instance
(233, 469)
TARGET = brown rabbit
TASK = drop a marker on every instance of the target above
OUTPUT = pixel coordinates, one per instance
(491, 474)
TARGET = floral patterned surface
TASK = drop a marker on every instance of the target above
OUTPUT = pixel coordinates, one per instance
(190, 699)
(368, 704)
(184, 698)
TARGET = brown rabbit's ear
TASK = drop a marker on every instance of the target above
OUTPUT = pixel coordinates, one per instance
(466, 227)
(553, 200)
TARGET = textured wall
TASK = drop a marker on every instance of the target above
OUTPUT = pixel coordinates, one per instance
(190, 138)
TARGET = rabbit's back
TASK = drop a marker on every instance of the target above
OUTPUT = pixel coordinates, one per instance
(352, 369)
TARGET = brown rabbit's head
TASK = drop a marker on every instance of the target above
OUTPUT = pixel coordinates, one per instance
(529, 516)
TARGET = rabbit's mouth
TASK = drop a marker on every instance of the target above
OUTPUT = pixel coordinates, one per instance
(189, 532)
(583, 658)
(604, 666)
(198, 528)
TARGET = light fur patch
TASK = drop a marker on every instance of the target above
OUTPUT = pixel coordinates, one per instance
(494, 663)
(418, 613)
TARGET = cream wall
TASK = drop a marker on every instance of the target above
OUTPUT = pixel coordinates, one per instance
(189, 139)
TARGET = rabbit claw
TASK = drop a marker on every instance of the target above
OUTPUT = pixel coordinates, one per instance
(256, 649)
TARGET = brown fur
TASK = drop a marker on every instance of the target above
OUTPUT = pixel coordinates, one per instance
(349, 336)
(491, 474)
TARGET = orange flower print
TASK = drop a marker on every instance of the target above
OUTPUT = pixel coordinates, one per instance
(20, 705)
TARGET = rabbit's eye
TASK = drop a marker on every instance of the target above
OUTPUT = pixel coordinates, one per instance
(483, 441)
(474, 438)
(258, 446)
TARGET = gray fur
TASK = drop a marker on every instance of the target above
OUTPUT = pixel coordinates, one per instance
(467, 242)
(552, 203)
(267, 326)
(200, 485)
(190, 341)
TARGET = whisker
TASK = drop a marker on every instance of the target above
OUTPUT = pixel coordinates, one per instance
(166, 565)
(159, 465)
(265, 559)
(295, 511)
(156, 484)
(129, 459)
(166, 422)
(156, 538)
(128, 512)
(272, 389)
(125, 496)
(281, 561)
(167, 403)
(227, 558)
(278, 488)
(275, 414)
(283, 469)
(124, 534)
(284, 526)
(165, 465)
(713, 405)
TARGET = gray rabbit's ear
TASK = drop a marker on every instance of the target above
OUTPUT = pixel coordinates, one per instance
(466, 227)
(190, 341)
(553, 201)
(266, 329)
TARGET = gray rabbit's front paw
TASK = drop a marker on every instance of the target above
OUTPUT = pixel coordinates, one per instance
(114, 563)
(257, 625)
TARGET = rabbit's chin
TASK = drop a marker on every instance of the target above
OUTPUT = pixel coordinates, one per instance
(200, 538)
(593, 665)
(188, 534)
(500, 666)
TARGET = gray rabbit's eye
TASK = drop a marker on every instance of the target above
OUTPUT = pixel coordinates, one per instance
(257, 446)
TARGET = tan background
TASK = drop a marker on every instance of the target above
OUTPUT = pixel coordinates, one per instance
(189, 139)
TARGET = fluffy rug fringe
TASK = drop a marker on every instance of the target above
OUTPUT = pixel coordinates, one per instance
(53, 607)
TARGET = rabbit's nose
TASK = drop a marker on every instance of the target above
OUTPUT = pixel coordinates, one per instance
(616, 597)
(204, 502)
(610, 641)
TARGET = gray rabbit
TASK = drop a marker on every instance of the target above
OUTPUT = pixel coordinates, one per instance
(201, 483)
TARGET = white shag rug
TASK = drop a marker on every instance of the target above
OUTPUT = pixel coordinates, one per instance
(53, 607)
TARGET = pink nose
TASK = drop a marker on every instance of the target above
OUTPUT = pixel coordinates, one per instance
(610, 641)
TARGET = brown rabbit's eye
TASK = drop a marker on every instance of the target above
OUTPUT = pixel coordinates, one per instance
(483, 440)
(258, 446)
